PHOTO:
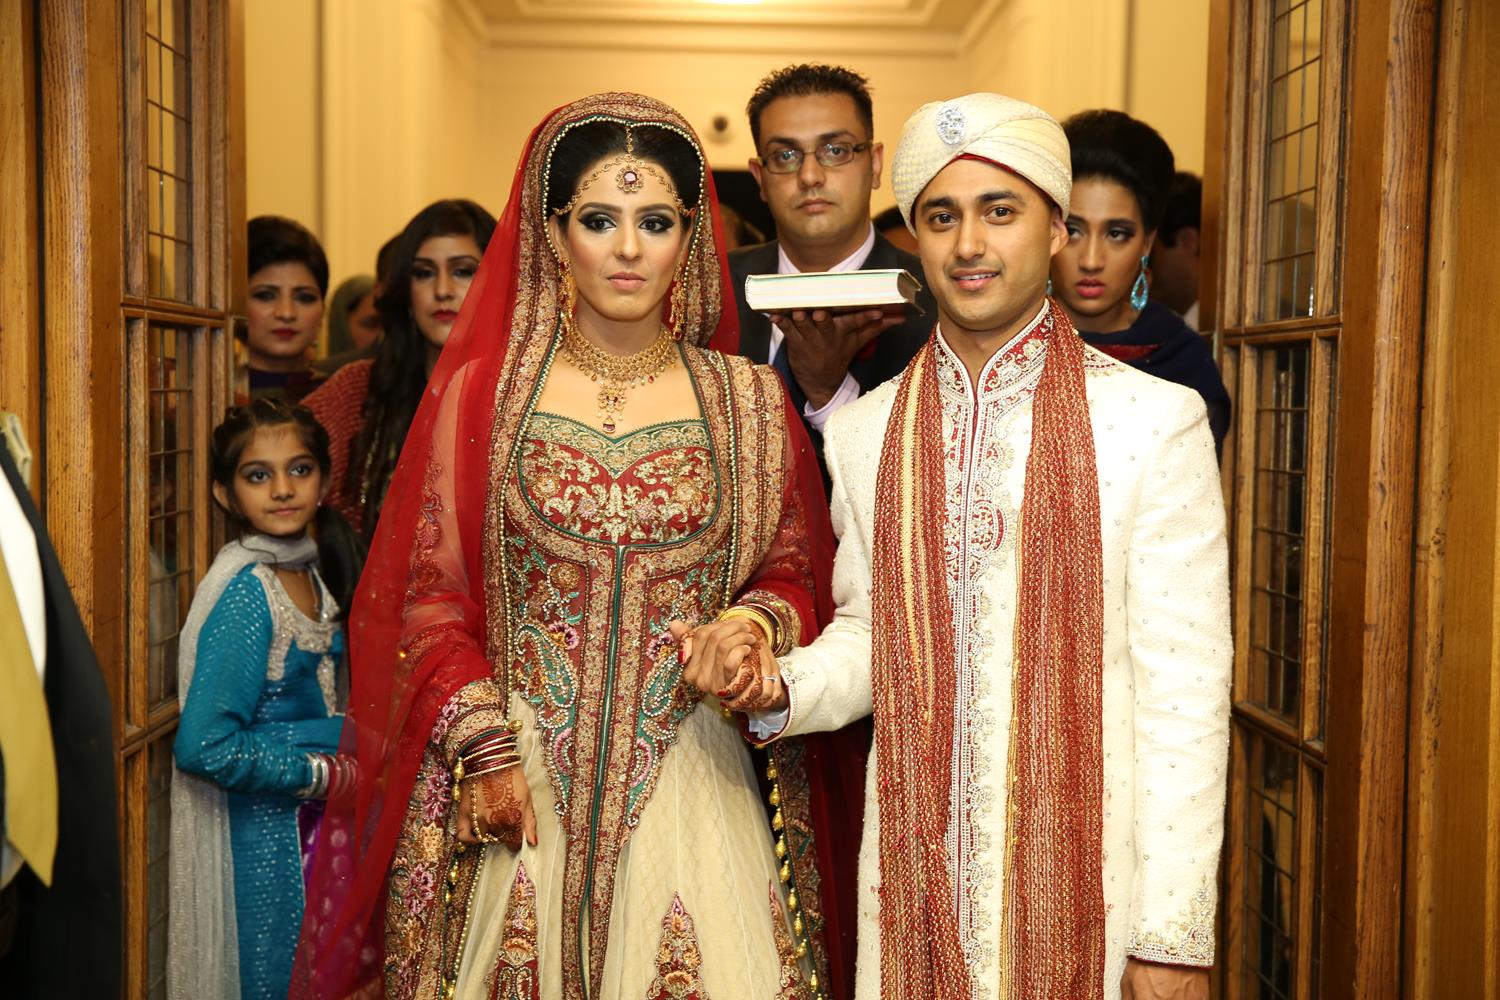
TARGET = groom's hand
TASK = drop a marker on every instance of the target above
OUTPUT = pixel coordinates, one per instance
(1148, 981)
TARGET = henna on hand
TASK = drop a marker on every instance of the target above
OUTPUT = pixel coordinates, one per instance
(500, 809)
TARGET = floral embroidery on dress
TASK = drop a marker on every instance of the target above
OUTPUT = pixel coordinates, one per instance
(981, 531)
(647, 487)
(1186, 941)
(515, 974)
(789, 986)
(413, 886)
(678, 958)
(290, 625)
(425, 573)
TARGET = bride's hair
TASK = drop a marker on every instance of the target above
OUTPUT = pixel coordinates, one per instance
(582, 146)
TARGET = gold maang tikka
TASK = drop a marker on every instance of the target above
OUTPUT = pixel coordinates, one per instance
(629, 169)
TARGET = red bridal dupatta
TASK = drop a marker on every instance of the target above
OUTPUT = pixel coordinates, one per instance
(410, 655)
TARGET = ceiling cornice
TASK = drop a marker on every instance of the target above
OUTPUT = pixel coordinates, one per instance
(845, 27)
(867, 13)
(744, 38)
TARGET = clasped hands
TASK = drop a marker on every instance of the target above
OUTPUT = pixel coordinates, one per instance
(730, 660)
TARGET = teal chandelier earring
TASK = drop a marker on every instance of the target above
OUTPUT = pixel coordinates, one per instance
(1049, 288)
(1141, 287)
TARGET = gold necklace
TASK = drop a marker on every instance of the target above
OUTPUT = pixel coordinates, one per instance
(615, 375)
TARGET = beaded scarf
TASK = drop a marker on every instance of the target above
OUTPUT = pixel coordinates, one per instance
(1052, 926)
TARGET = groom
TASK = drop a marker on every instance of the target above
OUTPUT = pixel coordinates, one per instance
(1033, 600)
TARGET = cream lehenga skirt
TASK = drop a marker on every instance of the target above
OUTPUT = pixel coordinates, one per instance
(698, 909)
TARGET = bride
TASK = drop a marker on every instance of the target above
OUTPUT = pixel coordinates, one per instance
(591, 464)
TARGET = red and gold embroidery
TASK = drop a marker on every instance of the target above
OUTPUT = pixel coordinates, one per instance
(651, 486)
(515, 973)
(678, 958)
(609, 704)
(789, 986)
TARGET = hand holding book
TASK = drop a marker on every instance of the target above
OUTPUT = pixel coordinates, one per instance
(822, 343)
(829, 317)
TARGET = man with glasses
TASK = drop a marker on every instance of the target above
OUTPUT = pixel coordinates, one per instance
(816, 163)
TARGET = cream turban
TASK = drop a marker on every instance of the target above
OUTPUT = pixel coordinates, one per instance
(1019, 136)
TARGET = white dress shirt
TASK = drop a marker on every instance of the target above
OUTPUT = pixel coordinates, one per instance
(848, 390)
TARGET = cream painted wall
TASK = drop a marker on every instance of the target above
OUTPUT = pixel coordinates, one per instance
(1146, 57)
(1168, 74)
(283, 132)
(403, 101)
(362, 111)
(524, 84)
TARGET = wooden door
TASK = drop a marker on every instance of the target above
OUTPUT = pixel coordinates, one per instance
(141, 210)
(1316, 195)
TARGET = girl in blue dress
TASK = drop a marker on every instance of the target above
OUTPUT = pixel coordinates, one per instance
(259, 665)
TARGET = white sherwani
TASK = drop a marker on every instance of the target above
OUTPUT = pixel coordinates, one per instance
(1167, 648)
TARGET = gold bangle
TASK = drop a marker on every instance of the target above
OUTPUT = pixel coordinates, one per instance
(762, 621)
(782, 644)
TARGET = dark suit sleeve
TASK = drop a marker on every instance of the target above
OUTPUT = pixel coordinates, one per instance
(68, 937)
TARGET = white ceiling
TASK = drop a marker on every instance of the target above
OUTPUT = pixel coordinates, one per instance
(947, 16)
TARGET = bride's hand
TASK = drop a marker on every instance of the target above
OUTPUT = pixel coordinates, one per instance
(501, 802)
(729, 660)
(758, 687)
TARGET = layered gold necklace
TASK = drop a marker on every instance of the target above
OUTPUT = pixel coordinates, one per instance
(614, 374)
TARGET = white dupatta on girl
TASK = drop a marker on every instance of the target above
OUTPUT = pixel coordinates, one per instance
(203, 960)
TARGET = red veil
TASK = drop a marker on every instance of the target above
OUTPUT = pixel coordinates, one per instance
(472, 409)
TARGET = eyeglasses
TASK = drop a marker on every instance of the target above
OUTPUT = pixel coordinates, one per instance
(788, 160)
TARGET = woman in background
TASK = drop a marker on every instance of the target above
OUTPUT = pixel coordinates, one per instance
(353, 324)
(284, 309)
(1122, 174)
(367, 405)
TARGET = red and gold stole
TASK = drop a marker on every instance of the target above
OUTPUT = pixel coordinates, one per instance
(1052, 934)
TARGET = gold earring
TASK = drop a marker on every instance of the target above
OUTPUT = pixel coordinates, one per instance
(679, 304)
(567, 296)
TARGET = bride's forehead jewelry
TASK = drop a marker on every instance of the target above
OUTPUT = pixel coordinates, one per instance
(628, 168)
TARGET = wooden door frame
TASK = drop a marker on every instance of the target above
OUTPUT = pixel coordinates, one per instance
(82, 253)
(20, 324)
(91, 294)
(1389, 94)
(1452, 898)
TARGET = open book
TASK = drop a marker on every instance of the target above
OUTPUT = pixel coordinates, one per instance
(830, 290)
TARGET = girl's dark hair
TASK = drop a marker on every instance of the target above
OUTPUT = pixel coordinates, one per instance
(274, 239)
(341, 554)
(584, 145)
(398, 374)
(1117, 147)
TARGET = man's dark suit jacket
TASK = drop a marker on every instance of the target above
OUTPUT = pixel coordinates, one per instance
(66, 940)
(892, 350)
